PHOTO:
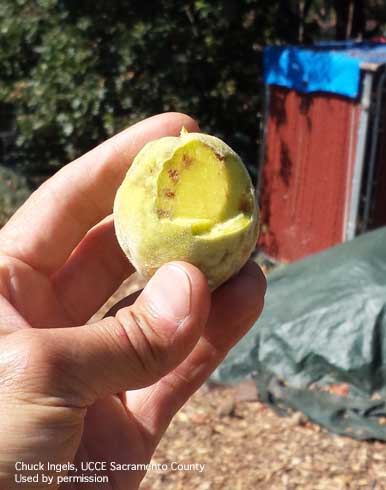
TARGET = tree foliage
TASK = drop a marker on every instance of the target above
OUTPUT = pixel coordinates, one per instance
(75, 72)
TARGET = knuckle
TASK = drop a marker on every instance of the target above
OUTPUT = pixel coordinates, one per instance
(146, 345)
(24, 360)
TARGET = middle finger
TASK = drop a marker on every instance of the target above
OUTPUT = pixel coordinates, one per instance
(93, 272)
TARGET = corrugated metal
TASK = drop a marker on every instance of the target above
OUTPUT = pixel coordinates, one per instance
(307, 173)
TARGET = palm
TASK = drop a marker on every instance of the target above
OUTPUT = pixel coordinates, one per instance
(119, 440)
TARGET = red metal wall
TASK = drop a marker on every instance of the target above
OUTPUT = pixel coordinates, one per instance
(306, 176)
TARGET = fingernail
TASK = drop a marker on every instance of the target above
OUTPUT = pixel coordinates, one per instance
(169, 292)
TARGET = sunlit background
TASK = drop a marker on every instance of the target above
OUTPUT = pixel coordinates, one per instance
(74, 73)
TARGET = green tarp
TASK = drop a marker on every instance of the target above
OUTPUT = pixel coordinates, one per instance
(323, 328)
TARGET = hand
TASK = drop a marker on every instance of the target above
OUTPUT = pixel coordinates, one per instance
(59, 263)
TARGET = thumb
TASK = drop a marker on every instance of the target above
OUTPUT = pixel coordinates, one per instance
(135, 348)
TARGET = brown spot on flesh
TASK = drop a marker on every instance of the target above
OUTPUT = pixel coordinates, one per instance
(219, 157)
(169, 193)
(187, 160)
(245, 204)
(174, 174)
(163, 213)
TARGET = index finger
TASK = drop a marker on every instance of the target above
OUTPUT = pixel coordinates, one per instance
(46, 229)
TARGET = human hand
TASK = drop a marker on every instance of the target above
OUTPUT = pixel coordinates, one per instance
(59, 263)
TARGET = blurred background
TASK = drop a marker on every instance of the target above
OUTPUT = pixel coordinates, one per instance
(74, 73)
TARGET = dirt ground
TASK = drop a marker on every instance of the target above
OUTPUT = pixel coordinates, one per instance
(246, 446)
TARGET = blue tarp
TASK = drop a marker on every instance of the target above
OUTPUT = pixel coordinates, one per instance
(329, 67)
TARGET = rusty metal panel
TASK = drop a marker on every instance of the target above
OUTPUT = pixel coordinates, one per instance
(307, 172)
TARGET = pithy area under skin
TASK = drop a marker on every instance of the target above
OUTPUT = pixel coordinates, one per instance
(188, 198)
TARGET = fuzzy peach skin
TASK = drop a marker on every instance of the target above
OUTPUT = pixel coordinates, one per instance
(187, 198)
